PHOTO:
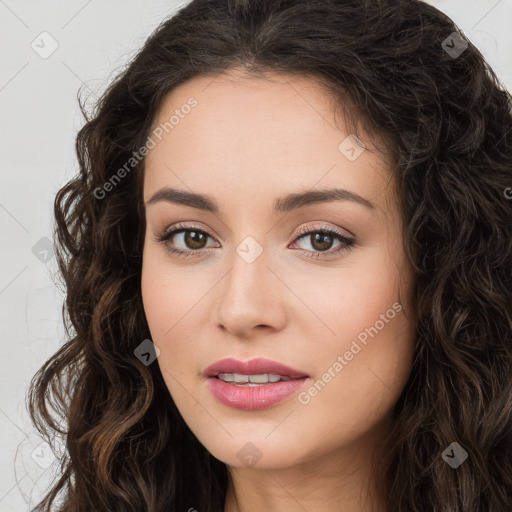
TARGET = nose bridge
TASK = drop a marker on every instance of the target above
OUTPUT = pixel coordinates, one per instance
(246, 297)
(249, 264)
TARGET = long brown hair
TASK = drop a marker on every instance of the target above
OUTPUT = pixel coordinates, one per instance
(414, 79)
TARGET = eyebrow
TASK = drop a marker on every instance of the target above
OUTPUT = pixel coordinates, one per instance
(281, 205)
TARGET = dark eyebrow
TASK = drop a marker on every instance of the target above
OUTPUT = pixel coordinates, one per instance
(281, 205)
(299, 199)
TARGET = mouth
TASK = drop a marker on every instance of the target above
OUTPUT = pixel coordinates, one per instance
(239, 379)
(255, 384)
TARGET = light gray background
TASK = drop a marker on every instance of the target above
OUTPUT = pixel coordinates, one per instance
(38, 123)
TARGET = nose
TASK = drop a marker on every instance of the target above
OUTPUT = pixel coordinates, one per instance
(250, 298)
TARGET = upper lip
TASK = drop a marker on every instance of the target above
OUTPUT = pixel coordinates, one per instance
(253, 367)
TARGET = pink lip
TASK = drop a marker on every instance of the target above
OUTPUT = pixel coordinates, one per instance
(257, 397)
(252, 367)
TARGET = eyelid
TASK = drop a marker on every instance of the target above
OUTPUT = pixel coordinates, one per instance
(323, 227)
(301, 231)
(181, 226)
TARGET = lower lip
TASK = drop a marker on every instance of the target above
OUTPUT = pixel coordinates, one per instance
(255, 397)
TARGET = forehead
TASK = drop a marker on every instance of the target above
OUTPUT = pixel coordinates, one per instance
(258, 134)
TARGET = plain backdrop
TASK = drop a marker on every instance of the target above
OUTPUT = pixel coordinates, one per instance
(48, 50)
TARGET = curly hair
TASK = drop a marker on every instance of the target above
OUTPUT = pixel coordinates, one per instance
(445, 117)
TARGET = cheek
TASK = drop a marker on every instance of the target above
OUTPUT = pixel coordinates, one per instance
(343, 301)
(156, 299)
(357, 384)
(362, 365)
(162, 309)
(169, 293)
(172, 298)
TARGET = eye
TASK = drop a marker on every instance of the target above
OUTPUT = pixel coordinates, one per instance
(193, 238)
(321, 240)
(194, 241)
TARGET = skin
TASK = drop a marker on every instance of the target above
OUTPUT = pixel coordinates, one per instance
(247, 142)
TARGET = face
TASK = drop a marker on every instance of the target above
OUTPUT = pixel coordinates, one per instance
(253, 271)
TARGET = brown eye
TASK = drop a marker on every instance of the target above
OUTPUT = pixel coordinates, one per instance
(185, 239)
(321, 241)
(194, 239)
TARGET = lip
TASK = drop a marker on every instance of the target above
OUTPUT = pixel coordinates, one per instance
(252, 367)
(257, 397)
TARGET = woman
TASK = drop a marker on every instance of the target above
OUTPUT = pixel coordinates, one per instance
(288, 268)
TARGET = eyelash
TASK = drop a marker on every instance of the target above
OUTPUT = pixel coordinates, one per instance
(346, 242)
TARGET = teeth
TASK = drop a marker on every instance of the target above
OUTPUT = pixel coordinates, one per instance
(263, 378)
